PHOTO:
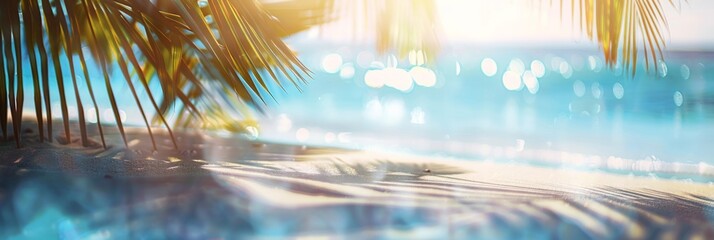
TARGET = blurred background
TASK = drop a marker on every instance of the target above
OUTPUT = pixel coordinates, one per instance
(513, 81)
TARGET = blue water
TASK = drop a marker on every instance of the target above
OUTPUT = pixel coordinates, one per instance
(583, 115)
(580, 106)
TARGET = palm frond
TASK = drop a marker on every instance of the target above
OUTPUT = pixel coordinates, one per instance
(197, 50)
(296, 16)
(401, 26)
(233, 46)
(12, 40)
(618, 26)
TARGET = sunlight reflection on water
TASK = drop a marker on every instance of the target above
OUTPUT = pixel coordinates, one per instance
(572, 104)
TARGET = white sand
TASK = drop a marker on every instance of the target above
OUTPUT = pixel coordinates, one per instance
(318, 192)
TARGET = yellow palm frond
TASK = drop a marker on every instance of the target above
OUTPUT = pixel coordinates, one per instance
(233, 45)
(622, 27)
(401, 26)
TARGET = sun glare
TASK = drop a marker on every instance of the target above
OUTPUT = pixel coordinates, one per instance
(498, 22)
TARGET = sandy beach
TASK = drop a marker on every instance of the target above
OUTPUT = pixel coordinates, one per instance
(216, 187)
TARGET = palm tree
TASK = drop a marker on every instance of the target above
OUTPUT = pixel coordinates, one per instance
(186, 45)
(198, 50)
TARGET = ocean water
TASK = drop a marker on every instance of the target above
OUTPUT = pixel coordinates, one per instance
(542, 106)
(550, 106)
(615, 156)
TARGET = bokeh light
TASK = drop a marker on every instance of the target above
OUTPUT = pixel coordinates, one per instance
(91, 115)
(302, 134)
(458, 68)
(423, 76)
(596, 90)
(397, 78)
(332, 63)
(579, 88)
(489, 67)
(678, 98)
(538, 68)
(594, 63)
(374, 78)
(516, 65)
(618, 90)
(565, 69)
(347, 71)
(662, 70)
(512, 81)
(531, 82)
(684, 70)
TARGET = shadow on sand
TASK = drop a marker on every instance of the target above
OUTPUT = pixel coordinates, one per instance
(226, 188)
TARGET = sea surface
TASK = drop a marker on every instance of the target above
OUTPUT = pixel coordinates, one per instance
(542, 106)
(486, 143)
(537, 105)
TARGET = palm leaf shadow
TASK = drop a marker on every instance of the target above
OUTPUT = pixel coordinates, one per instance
(476, 207)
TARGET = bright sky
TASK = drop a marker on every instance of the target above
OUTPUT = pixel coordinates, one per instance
(536, 22)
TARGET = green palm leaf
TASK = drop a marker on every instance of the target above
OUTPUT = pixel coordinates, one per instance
(198, 50)
(188, 46)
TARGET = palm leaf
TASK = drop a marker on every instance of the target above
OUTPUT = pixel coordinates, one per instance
(622, 27)
(401, 26)
(234, 47)
(229, 48)
(13, 67)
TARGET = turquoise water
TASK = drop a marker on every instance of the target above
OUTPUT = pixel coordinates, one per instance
(577, 106)
(580, 115)
(561, 101)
